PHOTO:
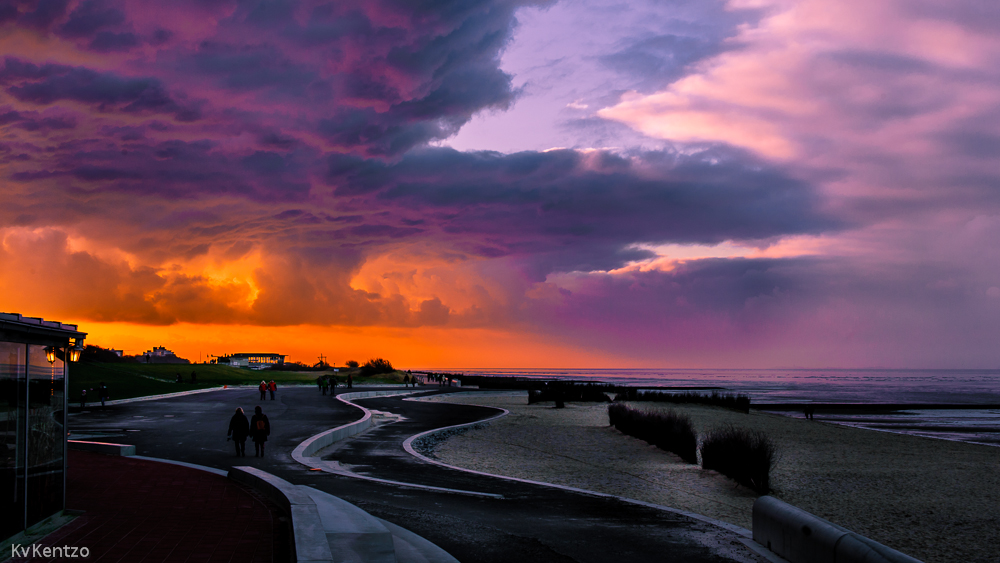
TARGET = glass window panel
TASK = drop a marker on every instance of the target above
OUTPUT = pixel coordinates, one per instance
(13, 413)
(46, 435)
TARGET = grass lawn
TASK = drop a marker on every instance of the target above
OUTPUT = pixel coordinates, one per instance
(127, 380)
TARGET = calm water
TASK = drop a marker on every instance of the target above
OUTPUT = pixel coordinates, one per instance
(974, 387)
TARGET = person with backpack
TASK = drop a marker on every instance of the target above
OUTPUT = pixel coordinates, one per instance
(263, 389)
(260, 429)
(326, 383)
(272, 387)
(239, 429)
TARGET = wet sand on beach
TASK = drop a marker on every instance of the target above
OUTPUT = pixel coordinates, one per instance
(936, 500)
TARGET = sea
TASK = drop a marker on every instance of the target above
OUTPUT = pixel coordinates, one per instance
(977, 389)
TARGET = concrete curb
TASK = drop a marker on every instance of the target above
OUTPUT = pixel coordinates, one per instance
(220, 472)
(315, 443)
(309, 541)
(324, 525)
(802, 537)
(101, 447)
(97, 404)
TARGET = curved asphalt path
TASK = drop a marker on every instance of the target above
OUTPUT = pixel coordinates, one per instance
(531, 523)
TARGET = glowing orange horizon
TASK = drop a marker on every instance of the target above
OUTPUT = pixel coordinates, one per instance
(406, 348)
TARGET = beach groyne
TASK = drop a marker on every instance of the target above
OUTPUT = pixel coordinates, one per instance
(801, 537)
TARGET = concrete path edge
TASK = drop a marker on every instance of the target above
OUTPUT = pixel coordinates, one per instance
(308, 537)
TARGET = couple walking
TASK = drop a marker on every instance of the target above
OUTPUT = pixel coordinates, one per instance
(265, 386)
(258, 428)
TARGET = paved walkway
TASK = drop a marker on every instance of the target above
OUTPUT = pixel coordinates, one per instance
(530, 523)
(144, 511)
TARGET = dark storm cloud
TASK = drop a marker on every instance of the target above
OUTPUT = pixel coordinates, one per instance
(49, 83)
(90, 17)
(177, 169)
(46, 12)
(590, 206)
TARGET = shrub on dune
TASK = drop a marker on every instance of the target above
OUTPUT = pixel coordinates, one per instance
(668, 431)
(747, 456)
(376, 366)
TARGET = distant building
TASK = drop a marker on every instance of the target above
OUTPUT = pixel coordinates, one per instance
(160, 355)
(253, 361)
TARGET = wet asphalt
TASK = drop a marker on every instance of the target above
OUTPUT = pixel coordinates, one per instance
(530, 523)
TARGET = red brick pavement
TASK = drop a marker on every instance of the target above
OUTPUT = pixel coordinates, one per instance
(144, 511)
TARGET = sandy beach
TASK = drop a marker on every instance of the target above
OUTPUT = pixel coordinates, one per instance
(936, 500)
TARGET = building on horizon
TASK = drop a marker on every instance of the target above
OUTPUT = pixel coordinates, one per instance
(160, 355)
(253, 360)
(33, 384)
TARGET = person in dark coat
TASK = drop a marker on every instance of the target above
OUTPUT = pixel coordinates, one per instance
(260, 429)
(326, 383)
(105, 395)
(239, 429)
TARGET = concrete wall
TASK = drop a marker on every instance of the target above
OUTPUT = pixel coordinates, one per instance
(801, 537)
(101, 447)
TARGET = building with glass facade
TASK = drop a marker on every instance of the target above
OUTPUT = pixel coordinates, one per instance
(33, 379)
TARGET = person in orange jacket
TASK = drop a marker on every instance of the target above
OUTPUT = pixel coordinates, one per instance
(272, 387)
(263, 389)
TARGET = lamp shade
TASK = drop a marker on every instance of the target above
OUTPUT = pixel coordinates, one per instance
(50, 354)
(74, 354)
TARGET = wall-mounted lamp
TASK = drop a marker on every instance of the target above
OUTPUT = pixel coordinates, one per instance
(50, 354)
(74, 351)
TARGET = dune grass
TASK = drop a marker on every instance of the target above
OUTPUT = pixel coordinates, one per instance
(666, 430)
(735, 401)
(744, 455)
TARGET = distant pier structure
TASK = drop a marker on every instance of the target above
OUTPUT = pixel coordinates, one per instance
(253, 360)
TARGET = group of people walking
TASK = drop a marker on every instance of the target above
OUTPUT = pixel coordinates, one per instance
(102, 392)
(264, 387)
(258, 428)
(325, 382)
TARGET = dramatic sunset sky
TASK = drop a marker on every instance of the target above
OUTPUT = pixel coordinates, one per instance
(491, 183)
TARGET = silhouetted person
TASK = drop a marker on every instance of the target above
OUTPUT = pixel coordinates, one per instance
(326, 384)
(194, 378)
(406, 381)
(263, 390)
(319, 384)
(83, 398)
(272, 387)
(239, 429)
(260, 429)
(104, 393)
(350, 381)
(809, 412)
